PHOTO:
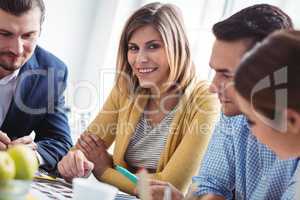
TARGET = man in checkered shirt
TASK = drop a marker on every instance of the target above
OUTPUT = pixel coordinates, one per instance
(236, 165)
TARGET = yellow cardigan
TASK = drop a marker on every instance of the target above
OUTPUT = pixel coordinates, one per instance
(189, 134)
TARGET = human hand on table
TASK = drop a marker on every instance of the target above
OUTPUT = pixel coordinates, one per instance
(95, 151)
(74, 164)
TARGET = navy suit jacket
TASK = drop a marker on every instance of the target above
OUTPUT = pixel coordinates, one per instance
(38, 105)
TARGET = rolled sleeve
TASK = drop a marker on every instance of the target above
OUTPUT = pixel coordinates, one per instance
(217, 172)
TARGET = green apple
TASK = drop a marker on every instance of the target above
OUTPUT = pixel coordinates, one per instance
(7, 167)
(25, 160)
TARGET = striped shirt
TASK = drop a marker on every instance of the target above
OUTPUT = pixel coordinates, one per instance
(7, 87)
(148, 142)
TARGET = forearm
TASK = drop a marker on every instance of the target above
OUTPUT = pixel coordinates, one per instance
(53, 137)
(217, 173)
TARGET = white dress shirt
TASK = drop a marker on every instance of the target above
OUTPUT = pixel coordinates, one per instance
(7, 87)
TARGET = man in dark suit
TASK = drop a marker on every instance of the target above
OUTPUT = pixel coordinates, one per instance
(32, 82)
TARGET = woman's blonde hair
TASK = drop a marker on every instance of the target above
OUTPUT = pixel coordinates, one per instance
(167, 20)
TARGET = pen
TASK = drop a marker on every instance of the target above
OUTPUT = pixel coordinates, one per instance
(133, 178)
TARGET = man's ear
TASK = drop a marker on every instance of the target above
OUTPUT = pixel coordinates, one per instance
(293, 120)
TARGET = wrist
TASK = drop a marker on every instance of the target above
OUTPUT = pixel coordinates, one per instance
(99, 171)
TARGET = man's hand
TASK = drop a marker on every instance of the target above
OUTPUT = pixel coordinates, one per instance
(26, 140)
(95, 151)
(4, 141)
(73, 165)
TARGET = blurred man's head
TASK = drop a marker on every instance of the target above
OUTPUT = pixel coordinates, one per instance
(234, 37)
(20, 25)
(269, 96)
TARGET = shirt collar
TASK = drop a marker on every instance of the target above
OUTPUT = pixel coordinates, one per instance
(5, 80)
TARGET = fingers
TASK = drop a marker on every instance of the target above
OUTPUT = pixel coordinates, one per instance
(90, 142)
(74, 164)
(94, 140)
(94, 149)
(61, 166)
(79, 164)
(83, 145)
(23, 140)
(89, 139)
(98, 141)
(4, 141)
(26, 140)
(3, 146)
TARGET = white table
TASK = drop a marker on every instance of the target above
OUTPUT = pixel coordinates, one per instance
(43, 189)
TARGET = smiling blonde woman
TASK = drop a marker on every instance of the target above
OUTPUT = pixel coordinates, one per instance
(159, 115)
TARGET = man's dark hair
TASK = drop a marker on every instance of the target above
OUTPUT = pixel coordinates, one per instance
(279, 52)
(20, 7)
(254, 22)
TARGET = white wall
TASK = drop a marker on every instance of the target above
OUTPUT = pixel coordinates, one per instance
(66, 31)
(85, 35)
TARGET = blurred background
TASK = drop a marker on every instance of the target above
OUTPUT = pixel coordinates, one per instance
(85, 35)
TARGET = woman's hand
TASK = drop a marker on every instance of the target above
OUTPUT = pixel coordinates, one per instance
(158, 188)
(74, 164)
(95, 151)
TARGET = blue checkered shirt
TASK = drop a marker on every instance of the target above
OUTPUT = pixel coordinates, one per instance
(237, 166)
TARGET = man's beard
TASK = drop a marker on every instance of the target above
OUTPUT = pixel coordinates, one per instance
(7, 67)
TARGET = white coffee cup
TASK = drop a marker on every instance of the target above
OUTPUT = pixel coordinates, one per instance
(86, 189)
